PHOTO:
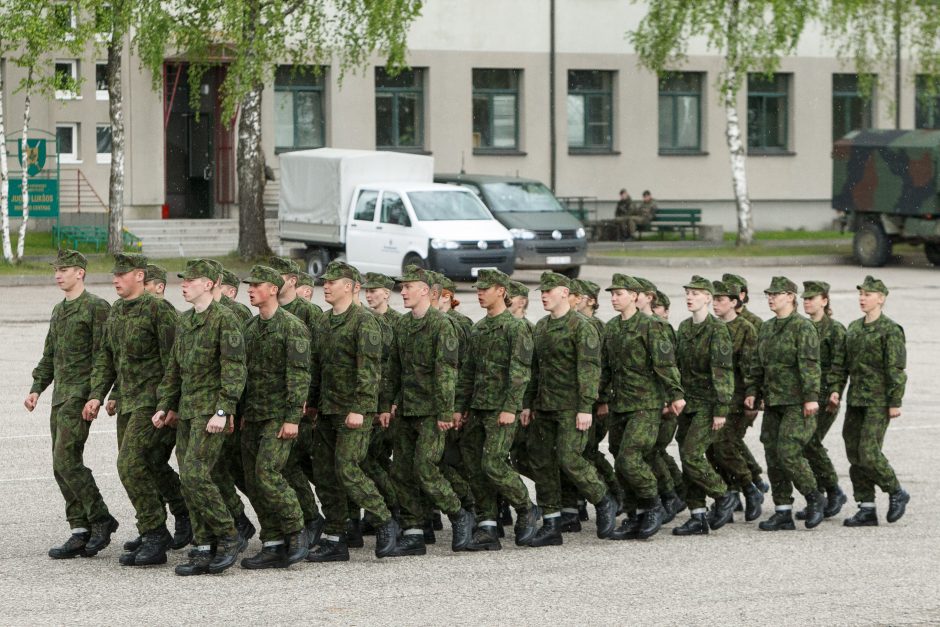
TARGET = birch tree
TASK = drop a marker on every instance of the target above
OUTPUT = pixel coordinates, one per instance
(750, 36)
(4, 165)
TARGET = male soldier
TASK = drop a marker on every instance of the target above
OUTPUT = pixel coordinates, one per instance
(74, 339)
(202, 384)
(135, 351)
(489, 394)
(155, 280)
(622, 210)
(638, 378)
(277, 346)
(305, 286)
(562, 392)
(230, 293)
(519, 454)
(422, 374)
(640, 215)
(346, 370)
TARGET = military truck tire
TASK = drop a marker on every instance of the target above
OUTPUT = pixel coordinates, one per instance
(932, 250)
(871, 245)
(317, 260)
(573, 272)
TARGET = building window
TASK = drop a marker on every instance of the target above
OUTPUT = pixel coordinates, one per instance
(63, 17)
(103, 143)
(299, 119)
(680, 112)
(399, 109)
(495, 109)
(590, 110)
(768, 112)
(67, 136)
(851, 110)
(101, 81)
(927, 104)
(66, 79)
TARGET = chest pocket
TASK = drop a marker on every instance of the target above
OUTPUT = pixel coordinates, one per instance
(138, 337)
(626, 353)
(75, 332)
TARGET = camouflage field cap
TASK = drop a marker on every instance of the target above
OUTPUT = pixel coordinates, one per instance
(284, 265)
(341, 270)
(435, 278)
(871, 284)
(662, 300)
(576, 289)
(492, 278)
(219, 270)
(550, 280)
(516, 288)
(647, 286)
(69, 259)
(303, 278)
(700, 283)
(375, 280)
(447, 283)
(125, 262)
(721, 288)
(734, 279)
(624, 282)
(196, 268)
(229, 278)
(264, 274)
(589, 288)
(780, 284)
(413, 273)
(814, 288)
(154, 273)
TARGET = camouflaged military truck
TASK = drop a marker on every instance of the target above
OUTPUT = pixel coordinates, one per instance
(886, 183)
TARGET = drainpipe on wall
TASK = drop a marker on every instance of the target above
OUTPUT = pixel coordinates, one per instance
(552, 139)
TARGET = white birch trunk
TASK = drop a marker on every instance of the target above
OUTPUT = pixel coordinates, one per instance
(116, 112)
(738, 163)
(252, 237)
(21, 242)
(4, 184)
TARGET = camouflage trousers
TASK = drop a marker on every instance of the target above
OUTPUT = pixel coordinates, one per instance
(636, 434)
(816, 453)
(485, 445)
(519, 452)
(338, 455)
(138, 463)
(784, 434)
(864, 434)
(730, 454)
(555, 447)
(83, 502)
(596, 456)
(668, 475)
(299, 470)
(231, 474)
(378, 463)
(695, 435)
(454, 469)
(419, 446)
(168, 482)
(264, 458)
(202, 471)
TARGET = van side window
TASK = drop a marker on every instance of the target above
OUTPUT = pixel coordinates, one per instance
(365, 206)
(393, 210)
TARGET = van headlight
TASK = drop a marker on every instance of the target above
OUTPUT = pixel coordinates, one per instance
(445, 244)
(507, 243)
(580, 234)
(522, 234)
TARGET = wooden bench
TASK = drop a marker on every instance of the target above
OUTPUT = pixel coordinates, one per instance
(97, 235)
(671, 220)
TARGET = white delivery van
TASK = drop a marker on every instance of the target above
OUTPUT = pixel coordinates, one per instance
(381, 211)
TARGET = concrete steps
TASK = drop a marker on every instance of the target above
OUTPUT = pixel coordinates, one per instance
(193, 238)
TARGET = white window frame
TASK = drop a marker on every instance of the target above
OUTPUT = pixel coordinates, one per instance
(100, 94)
(70, 157)
(63, 94)
(101, 157)
(73, 21)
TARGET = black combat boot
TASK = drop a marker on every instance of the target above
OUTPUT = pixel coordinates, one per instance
(835, 499)
(754, 500)
(193, 552)
(651, 521)
(198, 564)
(570, 523)
(132, 545)
(606, 512)
(462, 526)
(505, 515)
(782, 520)
(672, 505)
(298, 546)
(329, 551)
(549, 534)
(738, 504)
(410, 544)
(628, 528)
(246, 530)
(897, 503)
(268, 557)
(527, 524)
(723, 511)
(386, 538)
(696, 525)
(354, 534)
(73, 547)
(152, 549)
(428, 530)
(485, 539)
(100, 535)
(762, 485)
(226, 553)
(582, 511)
(864, 517)
(436, 523)
(182, 532)
(815, 506)
(315, 530)
(367, 527)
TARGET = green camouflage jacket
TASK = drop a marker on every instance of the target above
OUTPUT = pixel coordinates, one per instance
(463, 325)
(135, 352)
(75, 334)
(387, 323)
(751, 317)
(207, 366)
(831, 357)
(638, 364)
(876, 357)
(115, 394)
(785, 370)
(422, 367)
(241, 311)
(347, 362)
(706, 363)
(311, 315)
(278, 359)
(497, 365)
(744, 340)
(566, 365)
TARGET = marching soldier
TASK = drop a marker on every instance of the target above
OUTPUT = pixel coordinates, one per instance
(230, 293)
(305, 286)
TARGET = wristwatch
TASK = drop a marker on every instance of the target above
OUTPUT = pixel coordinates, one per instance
(220, 413)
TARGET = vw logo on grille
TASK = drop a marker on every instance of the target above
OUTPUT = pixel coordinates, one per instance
(556, 235)
(482, 245)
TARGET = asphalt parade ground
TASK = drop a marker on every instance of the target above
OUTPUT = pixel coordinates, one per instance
(831, 575)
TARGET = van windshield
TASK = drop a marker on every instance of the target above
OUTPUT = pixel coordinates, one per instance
(520, 196)
(447, 205)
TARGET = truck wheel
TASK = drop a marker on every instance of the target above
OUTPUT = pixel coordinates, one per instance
(412, 258)
(932, 250)
(871, 245)
(573, 272)
(317, 261)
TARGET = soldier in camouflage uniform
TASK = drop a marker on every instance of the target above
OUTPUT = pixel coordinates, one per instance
(875, 357)
(832, 365)
(305, 286)
(638, 377)
(660, 306)
(519, 453)
(229, 288)
(785, 375)
(74, 339)
(421, 377)
(704, 354)
(562, 392)
(346, 370)
(155, 280)
(492, 380)
(277, 346)
(202, 384)
(134, 354)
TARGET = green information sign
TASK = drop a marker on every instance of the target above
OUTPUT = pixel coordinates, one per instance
(43, 198)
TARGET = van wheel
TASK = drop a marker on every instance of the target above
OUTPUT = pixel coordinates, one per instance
(573, 272)
(317, 261)
(413, 259)
(932, 250)
(871, 245)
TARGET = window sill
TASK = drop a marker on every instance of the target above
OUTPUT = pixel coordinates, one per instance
(104, 159)
(101, 94)
(66, 95)
(683, 153)
(770, 153)
(593, 152)
(68, 161)
(497, 152)
(282, 149)
(413, 151)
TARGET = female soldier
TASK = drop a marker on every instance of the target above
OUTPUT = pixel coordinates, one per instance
(876, 358)
(785, 375)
